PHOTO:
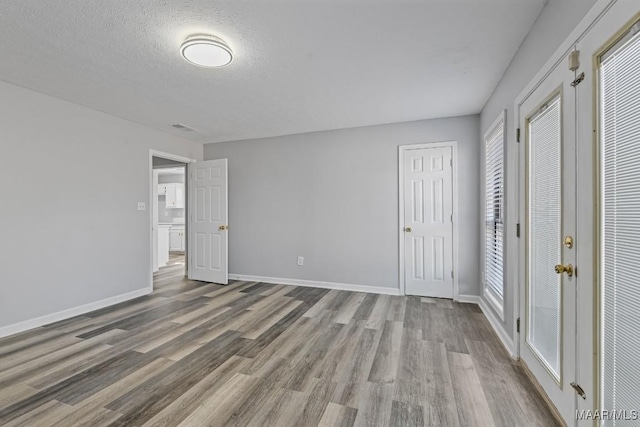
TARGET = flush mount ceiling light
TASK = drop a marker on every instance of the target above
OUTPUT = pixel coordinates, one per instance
(206, 51)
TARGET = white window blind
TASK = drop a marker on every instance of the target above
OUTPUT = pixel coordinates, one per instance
(620, 228)
(544, 213)
(494, 209)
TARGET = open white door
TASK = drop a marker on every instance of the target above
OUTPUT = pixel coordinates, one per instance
(207, 222)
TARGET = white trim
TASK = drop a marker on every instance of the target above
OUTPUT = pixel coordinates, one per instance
(316, 284)
(496, 304)
(506, 340)
(167, 156)
(69, 313)
(454, 173)
(502, 117)
(469, 299)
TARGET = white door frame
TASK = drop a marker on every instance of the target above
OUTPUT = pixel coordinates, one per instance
(168, 156)
(401, 234)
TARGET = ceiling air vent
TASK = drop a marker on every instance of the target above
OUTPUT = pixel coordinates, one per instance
(182, 127)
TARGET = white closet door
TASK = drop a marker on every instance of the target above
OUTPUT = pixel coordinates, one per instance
(428, 219)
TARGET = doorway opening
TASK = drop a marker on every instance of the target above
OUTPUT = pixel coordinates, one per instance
(168, 207)
(169, 220)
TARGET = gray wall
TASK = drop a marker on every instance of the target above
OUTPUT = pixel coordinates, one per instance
(62, 245)
(555, 23)
(159, 162)
(332, 197)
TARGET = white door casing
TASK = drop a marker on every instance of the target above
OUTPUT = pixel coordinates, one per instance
(154, 220)
(548, 303)
(427, 220)
(207, 222)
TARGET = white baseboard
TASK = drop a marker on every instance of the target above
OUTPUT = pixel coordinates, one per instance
(495, 322)
(469, 299)
(315, 284)
(16, 328)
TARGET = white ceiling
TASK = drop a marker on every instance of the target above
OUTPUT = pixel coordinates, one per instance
(299, 66)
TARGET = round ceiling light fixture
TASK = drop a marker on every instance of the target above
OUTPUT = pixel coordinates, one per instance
(206, 51)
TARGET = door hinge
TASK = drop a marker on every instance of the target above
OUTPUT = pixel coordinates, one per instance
(452, 274)
(451, 218)
(518, 135)
(518, 325)
(577, 81)
(579, 390)
(518, 230)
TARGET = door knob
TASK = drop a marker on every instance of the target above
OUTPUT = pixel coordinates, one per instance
(565, 269)
(223, 227)
(408, 229)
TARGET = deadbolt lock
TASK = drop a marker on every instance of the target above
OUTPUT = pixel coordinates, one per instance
(568, 242)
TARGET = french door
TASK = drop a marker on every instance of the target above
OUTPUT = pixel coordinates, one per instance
(609, 215)
(580, 204)
(548, 303)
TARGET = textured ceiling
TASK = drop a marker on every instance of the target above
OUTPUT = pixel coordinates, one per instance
(299, 66)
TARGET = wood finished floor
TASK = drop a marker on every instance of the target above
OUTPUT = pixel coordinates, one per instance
(253, 354)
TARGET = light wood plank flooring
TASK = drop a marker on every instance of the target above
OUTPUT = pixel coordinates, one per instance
(253, 354)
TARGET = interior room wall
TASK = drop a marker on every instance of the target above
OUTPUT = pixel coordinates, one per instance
(553, 26)
(332, 197)
(159, 162)
(63, 246)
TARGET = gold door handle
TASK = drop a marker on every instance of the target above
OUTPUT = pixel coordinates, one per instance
(408, 229)
(223, 227)
(565, 269)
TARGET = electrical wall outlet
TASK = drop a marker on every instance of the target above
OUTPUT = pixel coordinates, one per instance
(300, 260)
(142, 206)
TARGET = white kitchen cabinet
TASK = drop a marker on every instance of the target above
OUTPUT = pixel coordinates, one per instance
(163, 244)
(177, 238)
(174, 194)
